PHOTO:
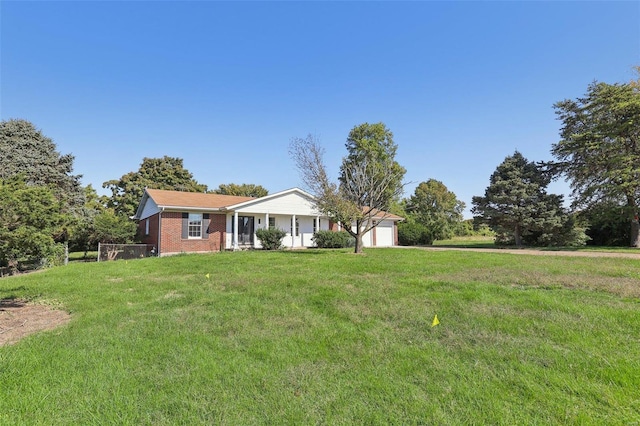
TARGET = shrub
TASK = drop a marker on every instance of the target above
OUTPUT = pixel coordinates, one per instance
(413, 233)
(271, 239)
(331, 239)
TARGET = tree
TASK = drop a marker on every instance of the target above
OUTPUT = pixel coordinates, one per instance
(243, 190)
(82, 231)
(27, 152)
(371, 153)
(436, 208)
(370, 179)
(608, 224)
(30, 155)
(600, 149)
(31, 219)
(516, 205)
(110, 227)
(157, 173)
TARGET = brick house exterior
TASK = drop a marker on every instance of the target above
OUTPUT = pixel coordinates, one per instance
(186, 222)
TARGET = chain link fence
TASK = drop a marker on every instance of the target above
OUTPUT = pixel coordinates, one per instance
(124, 251)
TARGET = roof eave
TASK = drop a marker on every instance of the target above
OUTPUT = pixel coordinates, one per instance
(191, 208)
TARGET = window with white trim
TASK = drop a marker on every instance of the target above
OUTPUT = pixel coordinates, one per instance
(195, 225)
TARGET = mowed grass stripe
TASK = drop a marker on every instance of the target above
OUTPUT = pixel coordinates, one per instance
(328, 337)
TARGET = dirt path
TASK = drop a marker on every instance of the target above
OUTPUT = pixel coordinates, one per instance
(534, 252)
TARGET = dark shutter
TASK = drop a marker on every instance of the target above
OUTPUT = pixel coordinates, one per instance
(185, 226)
(205, 226)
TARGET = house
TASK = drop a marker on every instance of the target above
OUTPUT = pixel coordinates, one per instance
(191, 222)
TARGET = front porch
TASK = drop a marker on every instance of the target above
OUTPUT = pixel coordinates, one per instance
(299, 229)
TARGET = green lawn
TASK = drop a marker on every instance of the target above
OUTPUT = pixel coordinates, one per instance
(488, 242)
(329, 337)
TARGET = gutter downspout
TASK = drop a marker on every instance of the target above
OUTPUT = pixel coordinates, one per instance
(159, 228)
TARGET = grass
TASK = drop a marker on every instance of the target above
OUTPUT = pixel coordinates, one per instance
(328, 337)
(488, 242)
(79, 256)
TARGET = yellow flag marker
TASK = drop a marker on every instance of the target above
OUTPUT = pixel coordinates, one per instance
(435, 321)
(207, 276)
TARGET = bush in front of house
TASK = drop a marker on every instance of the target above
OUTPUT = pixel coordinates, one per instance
(271, 239)
(331, 239)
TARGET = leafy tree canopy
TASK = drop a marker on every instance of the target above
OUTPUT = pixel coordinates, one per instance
(31, 218)
(436, 208)
(26, 151)
(600, 148)
(83, 229)
(110, 227)
(243, 190)
(370, 180)
(157, 173)
(370, 162)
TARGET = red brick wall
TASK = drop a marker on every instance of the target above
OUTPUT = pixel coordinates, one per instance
(152, 238)
(395, 233)
(172, 241)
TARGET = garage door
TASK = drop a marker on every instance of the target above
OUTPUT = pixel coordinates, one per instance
(384, 234)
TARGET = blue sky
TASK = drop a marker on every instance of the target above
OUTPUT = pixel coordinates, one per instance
(225, 86)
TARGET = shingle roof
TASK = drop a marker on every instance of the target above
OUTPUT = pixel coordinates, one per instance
(381, 214)
(164, 198)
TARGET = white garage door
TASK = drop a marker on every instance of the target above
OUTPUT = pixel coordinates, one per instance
(384, 234)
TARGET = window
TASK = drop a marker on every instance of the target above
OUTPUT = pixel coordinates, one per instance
(297, 227)
(316, 229)
(195, 225)
(272, 223)
(146, 227)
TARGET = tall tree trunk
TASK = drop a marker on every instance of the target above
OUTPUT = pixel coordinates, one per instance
(635, 225)
(358, 248)
(635, 232)
(517, 235)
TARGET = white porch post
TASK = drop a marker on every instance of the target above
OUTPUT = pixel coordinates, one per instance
(235, 231)
(266, 221)
(317, 223)
(293, 230)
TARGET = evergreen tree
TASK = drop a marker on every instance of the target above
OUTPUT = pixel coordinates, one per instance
(26, 151)
(517, 207)
(600, 149)
(31, 219)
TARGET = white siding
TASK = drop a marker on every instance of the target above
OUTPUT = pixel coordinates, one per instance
(150, 208)
(287, 204)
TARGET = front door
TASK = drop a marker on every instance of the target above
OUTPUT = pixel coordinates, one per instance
(245, 230)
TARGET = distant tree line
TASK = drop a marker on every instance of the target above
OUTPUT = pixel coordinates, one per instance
(44, 210)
